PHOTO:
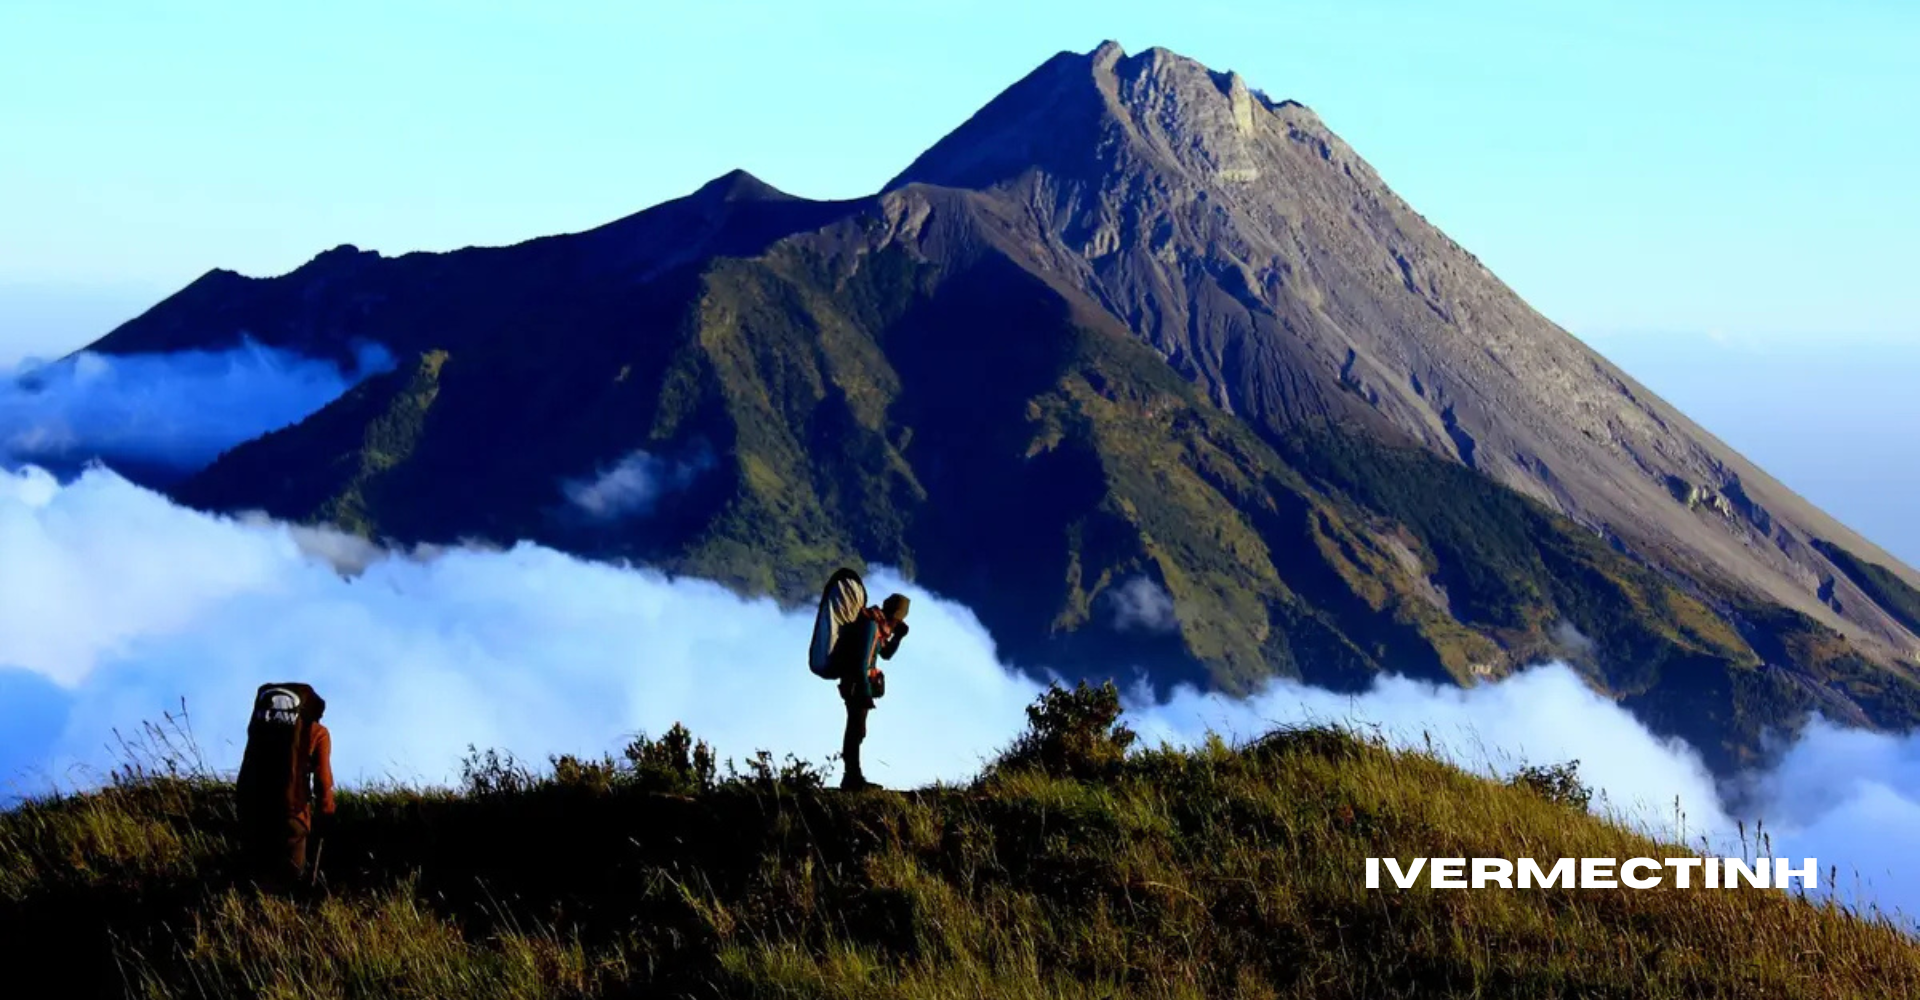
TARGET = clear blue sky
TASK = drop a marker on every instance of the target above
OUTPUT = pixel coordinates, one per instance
(1690, 165)
(1747, 166)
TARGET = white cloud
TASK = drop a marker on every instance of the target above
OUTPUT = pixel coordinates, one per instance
(633, 485)
(128, 603)
(1142, 604)
(177, 411)
(115, 605)
(350, 555)
(1544, 715)
(1851, 798)
(1568, 640)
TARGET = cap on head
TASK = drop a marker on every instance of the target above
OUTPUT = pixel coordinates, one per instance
(895, 607)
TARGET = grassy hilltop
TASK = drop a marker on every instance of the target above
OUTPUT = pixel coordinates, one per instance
(1076, 866)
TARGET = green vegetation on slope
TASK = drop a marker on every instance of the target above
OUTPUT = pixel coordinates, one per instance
(1886, 589)
(1887, 698)
(967, 425)
(1515, 570)
(1269, 576)
(1514, 567)
(390, 439)
(329, 468)
(1076, 866)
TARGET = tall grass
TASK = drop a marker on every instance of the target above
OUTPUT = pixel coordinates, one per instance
(1076, 867)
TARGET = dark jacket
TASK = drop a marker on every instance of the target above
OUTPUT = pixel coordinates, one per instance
(873, 636)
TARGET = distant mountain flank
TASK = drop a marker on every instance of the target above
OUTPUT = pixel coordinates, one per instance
(1133, 332)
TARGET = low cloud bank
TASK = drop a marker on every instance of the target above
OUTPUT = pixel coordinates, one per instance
(115, 605)
(171, 413)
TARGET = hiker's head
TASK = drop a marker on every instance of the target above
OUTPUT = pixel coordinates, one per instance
(895, 607)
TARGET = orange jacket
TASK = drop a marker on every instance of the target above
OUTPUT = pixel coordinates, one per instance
(320, 769)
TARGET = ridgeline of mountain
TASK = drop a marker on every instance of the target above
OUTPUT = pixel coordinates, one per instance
(1133, 331)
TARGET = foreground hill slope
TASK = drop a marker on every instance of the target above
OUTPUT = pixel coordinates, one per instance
(1147, 369)
(1073, 868)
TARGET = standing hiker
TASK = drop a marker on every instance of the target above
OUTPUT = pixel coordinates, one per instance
(286, 772)
(847, 640)
(876, 634)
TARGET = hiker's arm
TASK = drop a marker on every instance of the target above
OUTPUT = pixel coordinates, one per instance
(323, 771)
(869, 645)
(892, 645)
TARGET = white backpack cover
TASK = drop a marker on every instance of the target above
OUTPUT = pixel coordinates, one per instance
(841, 602)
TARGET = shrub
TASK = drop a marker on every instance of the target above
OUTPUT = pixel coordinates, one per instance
(1559, 783)
(1072, 733)
(675, 763)
(1335, 743)
(792, 775)
(597, 777)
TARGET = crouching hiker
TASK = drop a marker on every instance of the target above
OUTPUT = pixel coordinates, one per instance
(848, 638)
(285, 785)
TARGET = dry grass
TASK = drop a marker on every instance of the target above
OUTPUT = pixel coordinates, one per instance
(1221, 872)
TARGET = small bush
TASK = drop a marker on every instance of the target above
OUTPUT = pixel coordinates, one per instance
(1072, 733)
(675, 763)
(595, 777)
(792, 775)
(1335, 743)
(1558, 783)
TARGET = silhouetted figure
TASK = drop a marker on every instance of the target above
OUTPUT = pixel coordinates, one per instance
(286, 772)
(875, 634)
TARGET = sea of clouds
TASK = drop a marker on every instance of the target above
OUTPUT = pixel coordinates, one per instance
(116, 606)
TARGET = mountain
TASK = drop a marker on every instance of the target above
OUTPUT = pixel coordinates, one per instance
(1150, 370)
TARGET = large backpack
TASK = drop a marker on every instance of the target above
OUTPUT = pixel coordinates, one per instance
(276, 766)
(841, 602)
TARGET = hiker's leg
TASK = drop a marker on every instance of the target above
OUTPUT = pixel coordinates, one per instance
(293, 857)
(850, 746)
(265, 856)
